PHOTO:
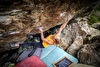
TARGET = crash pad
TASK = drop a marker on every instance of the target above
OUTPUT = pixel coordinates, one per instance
(52, 54)
(32, 61)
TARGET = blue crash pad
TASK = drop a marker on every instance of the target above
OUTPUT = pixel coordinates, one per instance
(52, 54)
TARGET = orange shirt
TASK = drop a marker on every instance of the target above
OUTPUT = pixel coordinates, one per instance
(48, 38)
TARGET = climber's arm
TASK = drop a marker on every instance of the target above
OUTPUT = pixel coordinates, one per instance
(44, 39)
(63, 25)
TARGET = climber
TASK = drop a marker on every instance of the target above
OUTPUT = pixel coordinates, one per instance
(55, 38)
(49, 40)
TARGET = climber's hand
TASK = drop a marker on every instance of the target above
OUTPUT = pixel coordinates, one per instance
(69, 17)
(40, 29)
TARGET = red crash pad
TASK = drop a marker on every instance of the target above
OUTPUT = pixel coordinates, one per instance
(32, 61)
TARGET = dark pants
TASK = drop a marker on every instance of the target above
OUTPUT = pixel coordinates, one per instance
(34, 44)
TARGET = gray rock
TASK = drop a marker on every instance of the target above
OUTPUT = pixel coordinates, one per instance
(97, 13)
(94, 32)
(83, 25)
(90, 54)
(77, 44)
(82, 65)
(96, 25)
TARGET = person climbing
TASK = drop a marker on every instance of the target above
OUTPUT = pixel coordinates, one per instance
(53, 38)
(49, 40)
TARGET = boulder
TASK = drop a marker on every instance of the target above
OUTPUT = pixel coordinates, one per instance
(89, 53)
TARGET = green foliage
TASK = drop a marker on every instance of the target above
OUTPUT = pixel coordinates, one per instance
(93, 18)
(97, 9)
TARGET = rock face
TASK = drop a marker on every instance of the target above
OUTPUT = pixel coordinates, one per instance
(89, 53)
(96, 25)
(18, 18)
(75, 46)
